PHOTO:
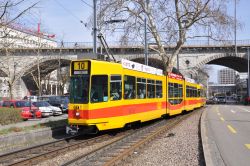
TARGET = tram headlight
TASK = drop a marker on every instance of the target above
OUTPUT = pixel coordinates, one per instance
(77, 113)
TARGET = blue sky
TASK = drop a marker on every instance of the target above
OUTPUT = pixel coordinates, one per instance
(62, 17)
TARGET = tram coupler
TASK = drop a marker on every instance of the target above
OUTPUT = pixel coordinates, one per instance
(72, 130)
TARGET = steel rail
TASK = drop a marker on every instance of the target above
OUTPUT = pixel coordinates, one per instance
(36, 154)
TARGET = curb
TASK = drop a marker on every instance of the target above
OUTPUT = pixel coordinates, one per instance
(211, 152)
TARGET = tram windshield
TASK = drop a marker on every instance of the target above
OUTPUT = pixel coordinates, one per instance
(79, 89)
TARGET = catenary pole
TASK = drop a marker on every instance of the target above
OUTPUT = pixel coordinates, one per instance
(95, 29)
(235, 28)
(145, 33)
(248, 81)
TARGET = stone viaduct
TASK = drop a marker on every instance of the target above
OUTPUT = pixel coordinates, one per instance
(21, 64)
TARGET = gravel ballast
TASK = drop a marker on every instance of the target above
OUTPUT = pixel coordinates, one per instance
(180, 146)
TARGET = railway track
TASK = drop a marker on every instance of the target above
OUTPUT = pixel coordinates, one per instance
(36, 154)
(115, 152)
(107, 154)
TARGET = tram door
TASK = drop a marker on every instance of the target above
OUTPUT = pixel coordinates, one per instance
(175, 101)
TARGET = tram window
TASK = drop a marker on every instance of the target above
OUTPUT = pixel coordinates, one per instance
(129, 87)
(194, 92)
(170, 90)
(115, 87)
(188, 91)
(99, 88)
(141, 88)
(199, 93)
(180, 89)
(176, 90)
(79, 89)
(150, 88)
(191, 92)
(159, 89)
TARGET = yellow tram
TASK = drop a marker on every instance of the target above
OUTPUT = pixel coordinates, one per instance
(108, 95)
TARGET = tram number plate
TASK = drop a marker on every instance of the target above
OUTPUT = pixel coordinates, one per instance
(80, 65)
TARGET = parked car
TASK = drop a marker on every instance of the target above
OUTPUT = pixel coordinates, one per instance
(28, 111)
(221, 99)
(47, 109)
(57, 101)
(210, 101)
(247, 100)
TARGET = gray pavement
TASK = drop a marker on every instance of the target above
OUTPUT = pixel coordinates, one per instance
(226, 140)
(32, 122)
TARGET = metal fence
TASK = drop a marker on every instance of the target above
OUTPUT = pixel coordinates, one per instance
(196, 43)
(118, 44)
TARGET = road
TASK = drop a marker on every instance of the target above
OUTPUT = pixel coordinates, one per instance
(229, 127)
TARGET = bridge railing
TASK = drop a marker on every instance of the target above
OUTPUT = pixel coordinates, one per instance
(112, 44)
(195, 43)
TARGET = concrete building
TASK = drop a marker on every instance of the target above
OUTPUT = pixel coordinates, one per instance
(226, 76)
(226, 83)
(226, 89)
(16, 36)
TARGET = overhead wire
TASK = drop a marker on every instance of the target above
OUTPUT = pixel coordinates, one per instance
(72, 14)
(86, 3)
(27, 21)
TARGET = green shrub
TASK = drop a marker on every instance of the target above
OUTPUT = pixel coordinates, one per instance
(10, 115)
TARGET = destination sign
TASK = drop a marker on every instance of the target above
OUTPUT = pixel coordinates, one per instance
(80, 72)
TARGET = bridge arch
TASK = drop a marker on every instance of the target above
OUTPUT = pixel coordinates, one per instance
(238, 62)
(46, 67)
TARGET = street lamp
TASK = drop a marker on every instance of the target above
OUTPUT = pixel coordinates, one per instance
(248, 65)
(235, 30)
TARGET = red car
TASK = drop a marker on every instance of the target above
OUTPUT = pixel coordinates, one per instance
(28, 111)
(247, 100)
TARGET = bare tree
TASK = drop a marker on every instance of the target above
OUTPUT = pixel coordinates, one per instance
(170, 22)
(9, 62)
(63, 79)
(6, 9)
